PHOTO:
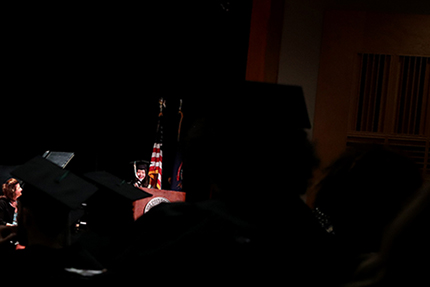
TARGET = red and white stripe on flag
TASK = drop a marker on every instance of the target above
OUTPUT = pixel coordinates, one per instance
(156, 166)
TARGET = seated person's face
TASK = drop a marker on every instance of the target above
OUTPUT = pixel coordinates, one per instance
(141, 173)
(18, 191)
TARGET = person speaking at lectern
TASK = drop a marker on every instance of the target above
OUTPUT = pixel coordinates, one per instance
(140, 174)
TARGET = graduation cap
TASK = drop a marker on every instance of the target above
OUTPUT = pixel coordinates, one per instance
(116, 185)
(49, 179)
(140, 164)
(284, 102)
(256, 101)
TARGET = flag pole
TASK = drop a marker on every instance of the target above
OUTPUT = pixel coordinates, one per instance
(155, 168)
(180, 121)
(176, 179)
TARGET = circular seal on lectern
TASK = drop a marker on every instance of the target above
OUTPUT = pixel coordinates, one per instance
(153, 202)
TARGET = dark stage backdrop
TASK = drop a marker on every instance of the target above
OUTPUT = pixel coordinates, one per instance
(87, 79)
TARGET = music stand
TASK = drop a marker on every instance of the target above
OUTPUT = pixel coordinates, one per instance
(60, 158)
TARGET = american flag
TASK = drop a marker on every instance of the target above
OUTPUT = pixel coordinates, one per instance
(156, 166)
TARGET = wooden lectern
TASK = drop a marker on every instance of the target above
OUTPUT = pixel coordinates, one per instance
(143, 205)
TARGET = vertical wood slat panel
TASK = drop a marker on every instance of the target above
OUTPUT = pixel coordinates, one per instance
(415, 110)
(372, 90)
(411, 94)
(404, 124)
(418, 97)
(398, 114)
(421, 105)
(401, 114)
(373, 113)
(358, 111)
(411, 107)
(369, 115)
(425, 115)
(380, 92)
(383, 103)
(366, 92)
